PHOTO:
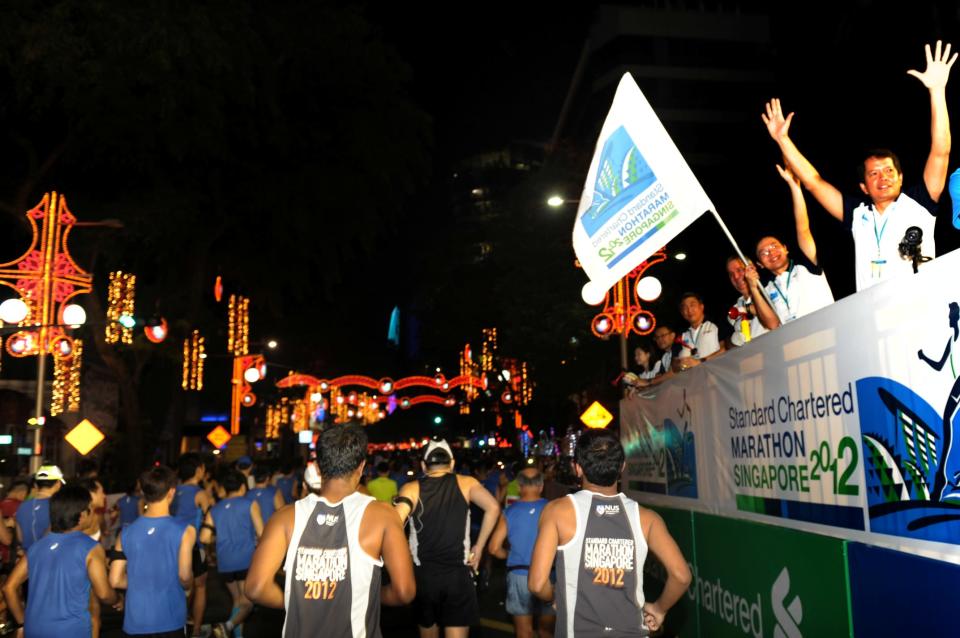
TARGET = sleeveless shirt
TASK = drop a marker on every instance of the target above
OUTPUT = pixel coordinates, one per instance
(236, 537)
(332, 585)
(264, 498)
(59, 601)
(33, 516)
(155, 600)
(599, 588)
(440, 524)
(523, 520)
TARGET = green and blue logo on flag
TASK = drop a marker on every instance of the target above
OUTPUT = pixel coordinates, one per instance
(622, 175)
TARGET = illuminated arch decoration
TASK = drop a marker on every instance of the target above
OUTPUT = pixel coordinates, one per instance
(439, 382)
(622, 311)
(47, 278)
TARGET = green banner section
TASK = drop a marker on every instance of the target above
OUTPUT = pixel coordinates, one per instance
(759, 580)
(682, 620)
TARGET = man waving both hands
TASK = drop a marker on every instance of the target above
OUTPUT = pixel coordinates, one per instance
(880, 214)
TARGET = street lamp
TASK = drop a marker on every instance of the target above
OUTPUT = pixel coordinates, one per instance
(556, 201)
(46, 278)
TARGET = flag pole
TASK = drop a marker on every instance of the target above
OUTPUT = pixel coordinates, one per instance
(733, 242)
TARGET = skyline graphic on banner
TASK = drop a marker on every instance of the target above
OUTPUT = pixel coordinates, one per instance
(911, 461)
(622, 176)
(669, 454)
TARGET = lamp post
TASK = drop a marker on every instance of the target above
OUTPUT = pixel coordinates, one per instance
(46, 278)
(622, 311)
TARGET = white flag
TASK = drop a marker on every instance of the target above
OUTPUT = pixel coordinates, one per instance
(639, 194)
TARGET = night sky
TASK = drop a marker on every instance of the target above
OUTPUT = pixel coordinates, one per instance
(480, 77)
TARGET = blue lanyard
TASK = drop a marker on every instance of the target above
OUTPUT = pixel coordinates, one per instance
(786, 299)
(876, 234)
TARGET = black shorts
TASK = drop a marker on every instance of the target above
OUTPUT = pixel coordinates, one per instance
(229, 577)
(199, 564)
(446, 596)
(177, 633)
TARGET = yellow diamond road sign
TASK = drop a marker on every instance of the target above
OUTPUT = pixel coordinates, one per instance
(596, 416)
(219, 436)
(84, 437)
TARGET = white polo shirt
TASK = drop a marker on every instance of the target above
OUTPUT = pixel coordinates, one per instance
(756, 328)
(799, 290)
(877, 237)
(705, 339)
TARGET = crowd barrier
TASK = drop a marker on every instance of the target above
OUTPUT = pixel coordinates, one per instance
(811, 477)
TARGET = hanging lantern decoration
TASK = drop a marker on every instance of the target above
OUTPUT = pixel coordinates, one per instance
(120, 308)
(238, 326)
(194, 353)
(156, 330)
(66, 381)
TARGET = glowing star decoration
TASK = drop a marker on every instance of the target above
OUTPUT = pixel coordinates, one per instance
(120, 304)
(219, 437)
(596, 416)
(84, 437)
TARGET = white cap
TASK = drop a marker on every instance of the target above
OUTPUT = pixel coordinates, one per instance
(435, 444)
(50, 473)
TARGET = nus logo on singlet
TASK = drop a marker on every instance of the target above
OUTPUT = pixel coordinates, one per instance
(328, 519)
(608, 510)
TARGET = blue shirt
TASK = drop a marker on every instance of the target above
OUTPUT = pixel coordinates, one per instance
(33, 517)
(236, 538)
(59, 601)
(184, 507)
(155, 598)
(523, 517)
(285, 485)
(129, 508)
(264, 498)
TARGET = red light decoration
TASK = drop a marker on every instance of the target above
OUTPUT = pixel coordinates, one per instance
(218, 289)
(293, 380)
(157, 333)
(622, 311)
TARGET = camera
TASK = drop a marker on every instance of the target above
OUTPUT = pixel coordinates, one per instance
(910, 246)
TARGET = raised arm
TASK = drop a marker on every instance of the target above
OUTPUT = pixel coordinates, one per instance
(800, 217)
(767, 315)
(823, 191)
(935, 79)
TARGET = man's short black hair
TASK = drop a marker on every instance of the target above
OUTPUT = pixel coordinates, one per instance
(188, 465)
(233, 480)
(262, 473)
(66, 507)
(87, 467)
(91, 484)
(601, 457)
(341, 449)
(18, 483)
(880, 153)
(156, 483)
(687, 295)
(46, 484)
(383, 468)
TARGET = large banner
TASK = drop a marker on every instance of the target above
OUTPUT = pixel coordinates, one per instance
(841, 423)
(638, 195)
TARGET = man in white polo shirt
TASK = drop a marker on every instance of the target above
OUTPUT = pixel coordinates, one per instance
(701, 341)
(879, 216)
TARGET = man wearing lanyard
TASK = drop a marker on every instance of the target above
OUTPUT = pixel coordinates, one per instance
(751, 315)
(880, 215)
(798, 287)
(701, 341)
